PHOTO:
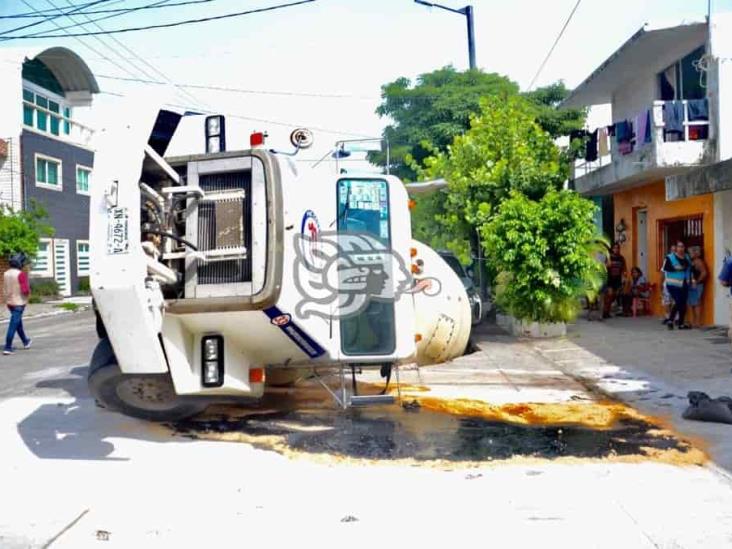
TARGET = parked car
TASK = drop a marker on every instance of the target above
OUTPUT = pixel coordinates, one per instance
(477, 306)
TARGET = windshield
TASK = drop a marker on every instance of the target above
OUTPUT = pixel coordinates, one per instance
(455, 265)
(363, 207)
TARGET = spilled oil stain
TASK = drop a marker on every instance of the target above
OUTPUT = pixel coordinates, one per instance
(447, 432)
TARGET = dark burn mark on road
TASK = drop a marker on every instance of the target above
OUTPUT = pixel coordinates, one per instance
(390, 433)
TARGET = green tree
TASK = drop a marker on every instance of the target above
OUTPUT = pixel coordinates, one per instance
(428, 115)
(21, 230)
(555, 121)
(433, 111)
(504, 150)
(545, 254)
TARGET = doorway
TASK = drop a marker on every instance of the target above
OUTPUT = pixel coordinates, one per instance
(61, 266)
(641, 255)
(689, 230)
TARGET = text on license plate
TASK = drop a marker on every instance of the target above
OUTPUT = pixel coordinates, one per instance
(118, 240)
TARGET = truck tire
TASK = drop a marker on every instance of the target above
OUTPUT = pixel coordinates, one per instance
(150, 397)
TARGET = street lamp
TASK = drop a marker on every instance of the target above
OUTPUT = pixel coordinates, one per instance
(467, 11)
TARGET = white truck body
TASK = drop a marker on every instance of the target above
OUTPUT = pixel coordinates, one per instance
(292, 270)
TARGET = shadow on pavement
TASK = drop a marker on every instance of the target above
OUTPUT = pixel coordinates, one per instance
(80, 429)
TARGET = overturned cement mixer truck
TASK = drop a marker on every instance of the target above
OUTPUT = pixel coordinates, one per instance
(216, 274)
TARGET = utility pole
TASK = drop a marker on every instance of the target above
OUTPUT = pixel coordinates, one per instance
(468, 12)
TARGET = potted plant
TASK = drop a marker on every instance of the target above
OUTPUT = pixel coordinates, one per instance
(545, 254)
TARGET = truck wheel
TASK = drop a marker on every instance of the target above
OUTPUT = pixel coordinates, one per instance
(144, 396)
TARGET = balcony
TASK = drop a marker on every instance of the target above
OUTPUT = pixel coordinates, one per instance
(54, 122)
(667, 153)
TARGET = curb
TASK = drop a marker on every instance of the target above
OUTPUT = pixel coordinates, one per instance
(49, 314)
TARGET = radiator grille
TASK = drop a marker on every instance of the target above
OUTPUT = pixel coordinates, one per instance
(224, 272)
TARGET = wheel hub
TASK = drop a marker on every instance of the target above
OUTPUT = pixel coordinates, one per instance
(147, 393)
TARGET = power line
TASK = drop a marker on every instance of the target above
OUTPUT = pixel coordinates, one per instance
(97, 38)
(551, 50)
(128, 10)
(41, 13)
(133, 53)
(38, 13)
(253, 119)
(121, 67)
(46, 19)
(167, 25)
(243, 91)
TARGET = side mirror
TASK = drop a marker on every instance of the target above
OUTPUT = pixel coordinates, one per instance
(470, 272)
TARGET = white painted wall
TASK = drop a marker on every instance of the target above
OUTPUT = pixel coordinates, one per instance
(11, 119)
(722, 247)
(720, 82)
(638, 92)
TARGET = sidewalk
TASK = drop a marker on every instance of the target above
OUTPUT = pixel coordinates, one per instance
(49, 308)
(651, 368)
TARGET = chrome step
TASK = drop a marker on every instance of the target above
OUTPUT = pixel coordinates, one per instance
(371, 400)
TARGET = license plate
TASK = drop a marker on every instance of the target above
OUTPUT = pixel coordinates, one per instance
(118, 239)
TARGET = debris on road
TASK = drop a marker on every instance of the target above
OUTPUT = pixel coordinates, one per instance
(704, 408)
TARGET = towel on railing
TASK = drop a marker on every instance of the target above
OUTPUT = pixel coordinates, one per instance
(603, 147)
(623, 132)
(698, 109)
(643, 128)
(673, 116)
(591, 150)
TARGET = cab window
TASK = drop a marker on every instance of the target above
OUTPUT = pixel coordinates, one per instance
(363, 207)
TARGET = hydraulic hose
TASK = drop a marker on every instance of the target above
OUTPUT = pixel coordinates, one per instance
(171, 235)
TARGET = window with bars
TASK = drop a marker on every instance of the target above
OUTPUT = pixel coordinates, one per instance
(689, 230)
(82, 258)
(45, 114)
(41, 265)
(82, 179)
(48, 172)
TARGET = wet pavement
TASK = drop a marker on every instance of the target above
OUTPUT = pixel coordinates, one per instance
(497, 448)
(442, 431)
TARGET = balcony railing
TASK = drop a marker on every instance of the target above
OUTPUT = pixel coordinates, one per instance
(692, 131)
(79, 133)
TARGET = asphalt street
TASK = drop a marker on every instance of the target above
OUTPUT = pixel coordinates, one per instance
(61, 343)
(74, 476)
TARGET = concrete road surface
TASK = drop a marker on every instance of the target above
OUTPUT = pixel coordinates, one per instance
(75, 476)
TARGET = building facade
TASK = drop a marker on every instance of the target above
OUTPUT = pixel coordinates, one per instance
(667, 88)
(48, 159)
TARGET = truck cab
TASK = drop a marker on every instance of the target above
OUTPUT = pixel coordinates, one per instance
(216, 273)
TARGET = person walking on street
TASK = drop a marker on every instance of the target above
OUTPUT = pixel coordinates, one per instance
(616, 271)
(677, 268)
(17, 292)
(699, 275)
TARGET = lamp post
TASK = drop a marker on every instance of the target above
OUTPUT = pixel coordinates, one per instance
(467, 11)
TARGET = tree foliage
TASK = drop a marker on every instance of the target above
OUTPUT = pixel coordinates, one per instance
(21, 230)
(428, 115)
(545, 253)
(504, 150)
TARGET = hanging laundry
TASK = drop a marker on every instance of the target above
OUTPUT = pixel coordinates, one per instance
(643, 128)
(673, 116)
(603, 145)
(698, 109)
(591, 151)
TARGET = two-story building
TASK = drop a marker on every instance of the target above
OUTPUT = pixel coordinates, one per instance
(45, 153)
(670, 92)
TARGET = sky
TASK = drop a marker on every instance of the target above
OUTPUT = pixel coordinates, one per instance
(328, 59)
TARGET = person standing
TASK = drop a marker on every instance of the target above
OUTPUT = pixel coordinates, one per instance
(17, 292)
(616, 271)
(699, 275)
(725, 278)
(677, 268)
(666, 300)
